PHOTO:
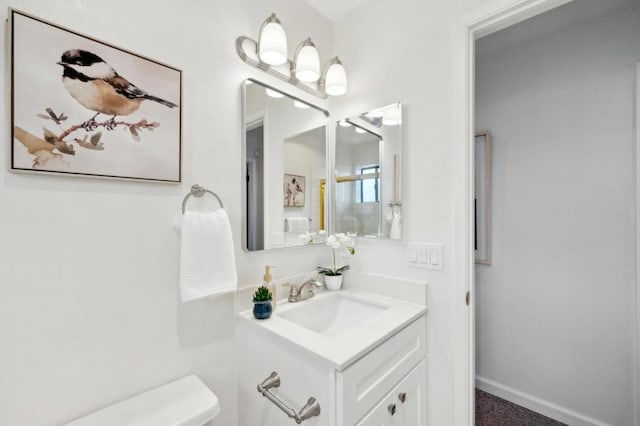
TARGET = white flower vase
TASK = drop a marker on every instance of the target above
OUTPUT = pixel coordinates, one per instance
(333, 282)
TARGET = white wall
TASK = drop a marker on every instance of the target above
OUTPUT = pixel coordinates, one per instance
(282, 121)
(405, 53)
(71, 334)
(305, 155)
(555, 308)
(89, 312)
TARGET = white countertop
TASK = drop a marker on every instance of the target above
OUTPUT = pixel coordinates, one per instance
(343, 349)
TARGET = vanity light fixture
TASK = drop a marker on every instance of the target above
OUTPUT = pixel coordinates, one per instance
(391, 115)
(269, 54)
(306, 62)
(344, 123)
(300, 105)
(360, 130)
(334, 78)
(272, 42)
(273, 93)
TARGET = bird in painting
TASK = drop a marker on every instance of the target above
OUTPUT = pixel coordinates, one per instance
(98, 87)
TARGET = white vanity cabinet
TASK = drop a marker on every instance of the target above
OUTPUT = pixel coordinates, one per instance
(358, 392)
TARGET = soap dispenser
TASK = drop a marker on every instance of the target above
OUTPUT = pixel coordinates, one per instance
(266, 281)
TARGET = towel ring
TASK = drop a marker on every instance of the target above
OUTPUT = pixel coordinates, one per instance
(199, 191)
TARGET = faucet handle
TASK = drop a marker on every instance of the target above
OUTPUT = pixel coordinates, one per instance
(293, 293)
(314, 282)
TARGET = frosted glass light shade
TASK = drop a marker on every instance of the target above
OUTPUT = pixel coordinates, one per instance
(300, 105)
(344, 123)
(359, 130)
(307, 62)
(272, 43)
(273, 93)
(392, 116)
(336, 80)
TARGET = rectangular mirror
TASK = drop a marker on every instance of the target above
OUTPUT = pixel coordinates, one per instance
(285, 164)
(367, 196)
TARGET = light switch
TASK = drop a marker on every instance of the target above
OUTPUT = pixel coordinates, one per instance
(412, 253)
(434, 256)
(423, 254)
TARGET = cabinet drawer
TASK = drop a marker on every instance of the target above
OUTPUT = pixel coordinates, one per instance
(361, 386)
(405, 405)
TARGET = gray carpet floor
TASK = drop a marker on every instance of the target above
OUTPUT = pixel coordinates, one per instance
(494, 411)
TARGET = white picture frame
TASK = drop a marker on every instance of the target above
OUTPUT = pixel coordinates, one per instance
(59, 125)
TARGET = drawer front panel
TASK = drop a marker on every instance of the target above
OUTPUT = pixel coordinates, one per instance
(365, 383)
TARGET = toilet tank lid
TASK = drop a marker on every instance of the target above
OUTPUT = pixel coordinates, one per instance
(185, 402)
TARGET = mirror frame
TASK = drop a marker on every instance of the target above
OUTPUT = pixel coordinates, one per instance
(329, 160)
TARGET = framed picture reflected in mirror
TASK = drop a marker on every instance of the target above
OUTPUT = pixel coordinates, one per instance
(294, 190)
(482, 198)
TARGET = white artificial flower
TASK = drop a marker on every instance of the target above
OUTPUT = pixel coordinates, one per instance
(337, 242)
(307, 237)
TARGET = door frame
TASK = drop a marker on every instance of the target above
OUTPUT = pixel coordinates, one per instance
(636, 131)
(481, 22)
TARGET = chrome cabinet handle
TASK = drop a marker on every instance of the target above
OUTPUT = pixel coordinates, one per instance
(392, 409)
(402, 396)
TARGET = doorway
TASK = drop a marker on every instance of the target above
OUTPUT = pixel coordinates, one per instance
(476, 27)
(254, 180)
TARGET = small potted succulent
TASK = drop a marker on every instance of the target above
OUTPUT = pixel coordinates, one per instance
(333, 276)
(262, 303)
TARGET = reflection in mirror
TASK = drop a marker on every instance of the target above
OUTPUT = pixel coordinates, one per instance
(286, 167)
(368, 148)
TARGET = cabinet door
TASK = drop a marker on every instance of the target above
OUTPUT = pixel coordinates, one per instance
(405, 405)
(410, 399)
(380, 415)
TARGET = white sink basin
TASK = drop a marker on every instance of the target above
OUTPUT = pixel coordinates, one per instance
(333, 314)
(336, 327)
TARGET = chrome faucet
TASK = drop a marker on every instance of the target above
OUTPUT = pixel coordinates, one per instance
(298, 294)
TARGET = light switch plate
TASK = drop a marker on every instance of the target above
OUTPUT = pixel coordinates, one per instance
(425, 256)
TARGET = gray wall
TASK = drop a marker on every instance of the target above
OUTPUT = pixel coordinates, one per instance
(555, 309)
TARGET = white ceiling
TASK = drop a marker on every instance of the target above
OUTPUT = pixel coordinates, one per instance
(335, 9)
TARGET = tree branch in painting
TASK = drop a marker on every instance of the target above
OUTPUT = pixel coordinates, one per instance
(43, 148)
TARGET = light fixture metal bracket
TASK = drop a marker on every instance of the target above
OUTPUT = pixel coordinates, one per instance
(247, 51)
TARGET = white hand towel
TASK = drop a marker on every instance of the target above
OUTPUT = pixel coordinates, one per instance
(396, 228)
(207, 258)
(297, 224)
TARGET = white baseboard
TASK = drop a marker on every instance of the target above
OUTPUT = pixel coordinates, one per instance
(538, 405)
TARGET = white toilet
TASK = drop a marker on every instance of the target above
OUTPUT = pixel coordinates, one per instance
(185, 402)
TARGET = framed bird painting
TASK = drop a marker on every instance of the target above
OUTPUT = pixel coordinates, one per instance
(80, 106)
(294, 190)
